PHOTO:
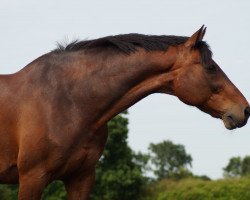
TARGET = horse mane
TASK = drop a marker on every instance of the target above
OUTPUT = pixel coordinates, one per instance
(130, 43)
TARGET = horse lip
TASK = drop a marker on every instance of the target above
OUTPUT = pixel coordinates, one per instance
(229, 122)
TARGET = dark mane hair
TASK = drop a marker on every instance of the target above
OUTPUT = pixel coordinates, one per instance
(129, 43)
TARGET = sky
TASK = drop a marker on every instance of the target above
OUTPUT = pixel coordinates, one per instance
(31, 28)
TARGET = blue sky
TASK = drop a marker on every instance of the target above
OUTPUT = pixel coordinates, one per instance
(32, 28)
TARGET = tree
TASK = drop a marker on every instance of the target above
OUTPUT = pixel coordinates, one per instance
(170, 160)
(55, 191)
(237, 167)
(141, 159)
(233, 168)
(246, 166)
(8, 192)
(118, 176)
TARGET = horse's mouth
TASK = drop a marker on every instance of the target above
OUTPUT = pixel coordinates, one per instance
(230, 123)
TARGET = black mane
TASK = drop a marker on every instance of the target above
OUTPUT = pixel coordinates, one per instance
(129, 43)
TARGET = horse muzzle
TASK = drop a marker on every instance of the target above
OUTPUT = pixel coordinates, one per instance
(236, 117)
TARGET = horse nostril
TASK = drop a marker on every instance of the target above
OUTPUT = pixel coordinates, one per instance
(247, 111)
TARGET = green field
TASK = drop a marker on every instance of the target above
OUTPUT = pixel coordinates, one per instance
(195, 189)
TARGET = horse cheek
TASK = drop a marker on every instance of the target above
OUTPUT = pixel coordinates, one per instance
(190, 90)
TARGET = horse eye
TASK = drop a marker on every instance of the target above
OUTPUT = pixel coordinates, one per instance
(211, 68)
(216, 89)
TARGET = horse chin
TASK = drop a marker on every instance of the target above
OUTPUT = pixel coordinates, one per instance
(228, 123)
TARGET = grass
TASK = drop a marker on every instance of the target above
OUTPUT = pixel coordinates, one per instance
(196, 189)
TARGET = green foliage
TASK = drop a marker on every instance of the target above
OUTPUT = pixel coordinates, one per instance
(246, 166)
(202, 177)
(233, 168)
(196, 189)
(8, 192)
(169, 159)
(141, 160)
(237, 167)
(55, 191)
(118, 175)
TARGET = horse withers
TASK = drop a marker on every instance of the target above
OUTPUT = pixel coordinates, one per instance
(55, 110)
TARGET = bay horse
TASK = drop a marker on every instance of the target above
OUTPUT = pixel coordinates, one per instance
(54, 111)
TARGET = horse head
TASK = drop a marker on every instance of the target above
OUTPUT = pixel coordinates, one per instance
(201, 82)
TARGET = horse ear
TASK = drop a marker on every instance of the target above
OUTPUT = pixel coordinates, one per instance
(195, 38)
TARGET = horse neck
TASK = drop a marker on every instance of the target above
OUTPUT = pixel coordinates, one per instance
(124, 80)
